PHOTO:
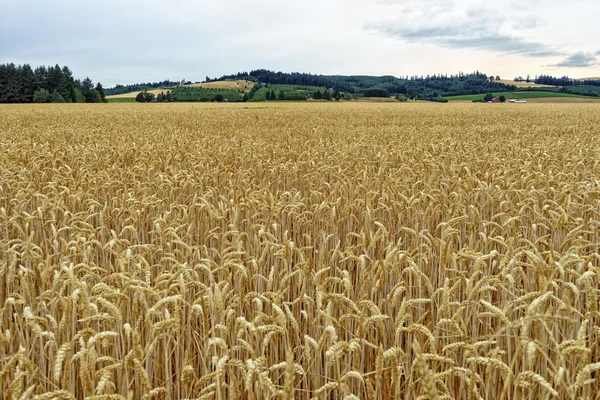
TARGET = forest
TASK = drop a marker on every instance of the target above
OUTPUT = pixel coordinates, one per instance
(24, 84)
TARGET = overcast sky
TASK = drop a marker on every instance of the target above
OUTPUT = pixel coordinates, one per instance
(127, 41)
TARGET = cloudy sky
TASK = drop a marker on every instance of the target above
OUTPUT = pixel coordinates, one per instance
(127, 41)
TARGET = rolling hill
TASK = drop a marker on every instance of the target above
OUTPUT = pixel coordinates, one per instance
(235, 85)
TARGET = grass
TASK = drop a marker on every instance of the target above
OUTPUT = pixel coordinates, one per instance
(112, 99)
(189, 93)
(278, 250)
(291, 92)
(516, 95)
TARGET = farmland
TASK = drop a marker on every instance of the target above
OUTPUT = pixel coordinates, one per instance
(299, 250)
(198, 93)
(240, 84)
(521, 84)
(291, 92)
(521, 95)
(132, 95)
(229, 89)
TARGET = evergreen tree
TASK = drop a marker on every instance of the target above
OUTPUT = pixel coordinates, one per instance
(273, 95)
(245, 98)
(168, 97)
(140, 98)
(11, 89)
(40, 74)
(27, 84)
(281, 95)
(68, 90)
(268, 96)
(87, 86)
(100, 91)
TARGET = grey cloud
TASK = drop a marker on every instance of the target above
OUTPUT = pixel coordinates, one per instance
(579, 60)
(468, 38)
(475, 29)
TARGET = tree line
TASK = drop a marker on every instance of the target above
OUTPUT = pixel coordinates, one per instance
(23, 84)
(147, 97)
(430, 86)
(121, 89)
(565, 81)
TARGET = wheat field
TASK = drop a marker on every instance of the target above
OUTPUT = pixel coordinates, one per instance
(299, 251)
(521, 84)
(132, 95)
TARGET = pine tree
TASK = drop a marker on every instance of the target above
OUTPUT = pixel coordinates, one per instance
(68, 91)
(100, 91)
(87, 86)
(27, 84)
(281, 95)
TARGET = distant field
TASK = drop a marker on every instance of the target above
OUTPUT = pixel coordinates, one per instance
(378, 99)
(597, 78)
(563, 100)
(132, 95)
(521, 84)
(238, 85)
(520, 95)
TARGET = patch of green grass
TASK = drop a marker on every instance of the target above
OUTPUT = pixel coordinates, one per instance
(516, 95)
(291, 92)
(188, 93)
(121, 100)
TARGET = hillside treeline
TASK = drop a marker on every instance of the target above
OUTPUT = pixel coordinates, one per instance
(121, 89)
(565, 81)
(423, 86)
(23, 84)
